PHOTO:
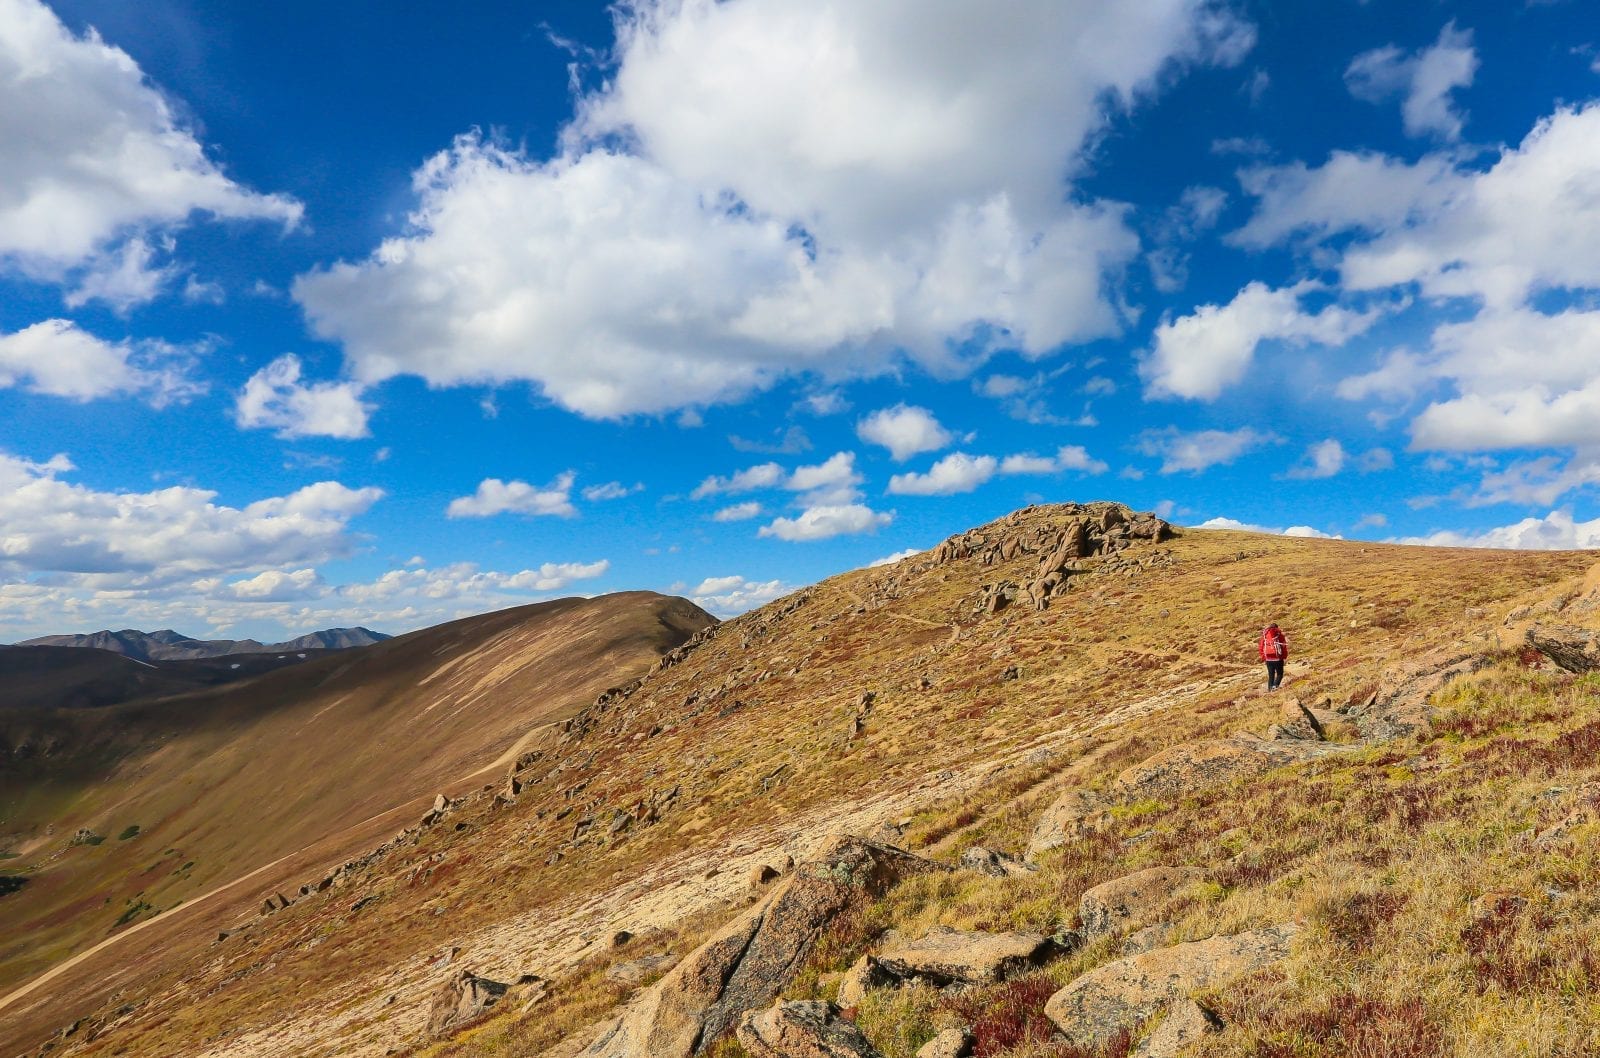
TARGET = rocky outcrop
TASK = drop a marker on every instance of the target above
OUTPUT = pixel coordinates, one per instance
(1573, 649)
(995, 864)
(1110, 905)
(637, 971)
(803, 1029)
(743, 967)
(1082, 532)
(1183, 1025)
(948, 956)
(464, 998)
(1122, 994)
(1192, 766)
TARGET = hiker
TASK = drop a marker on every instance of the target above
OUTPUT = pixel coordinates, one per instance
(1274, 650)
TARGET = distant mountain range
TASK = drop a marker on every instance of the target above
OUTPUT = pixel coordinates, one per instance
(167, 645)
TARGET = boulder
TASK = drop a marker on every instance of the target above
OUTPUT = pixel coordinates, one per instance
(744, 966)
(1184, 1024)
(948, 956)
(951, 1043)
(461, 999)
(1157, 935)
(1110, 905)
(1074, 814)
(803, 1029)
(1122, 994)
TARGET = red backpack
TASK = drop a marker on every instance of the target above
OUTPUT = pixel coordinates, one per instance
(1274, 645)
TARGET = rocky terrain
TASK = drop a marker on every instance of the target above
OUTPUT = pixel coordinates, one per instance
(167, 645)
(1023, 794)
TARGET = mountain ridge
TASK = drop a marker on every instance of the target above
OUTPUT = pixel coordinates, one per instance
(167, 645)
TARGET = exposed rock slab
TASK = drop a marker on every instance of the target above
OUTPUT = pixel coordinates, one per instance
(1074, 814)
(1193, 766)
(745, 965)
(1122, 994)
(948, 956)
(1574, 649)
(461, 999)
(951, 1043)
(1186, 1022)
(1110, 905)
(803, 1029)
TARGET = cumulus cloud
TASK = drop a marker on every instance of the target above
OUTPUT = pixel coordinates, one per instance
(127, 539)
(275, 398)
(732, 208)
(905, 430)
(1067, 457)
(738, 512)
(834, 480)
(733, 595)
(60, 359)
(956, 473)
(898, 556)
(1202, 449)
(1423, 81)
(824, 522)
(1556, 531)
(495, 496)
(95, 159)
(1199, 355)
(1322, 460)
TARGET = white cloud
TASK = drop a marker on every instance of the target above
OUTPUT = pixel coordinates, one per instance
(129, 539)
(898, 556)
(95, 158)
(738, 512)
(274, 398)
(821, 523)
(823, 188)
(611, 490)
(1526, 224)
(904, 430)
(1199, 355)
(1554, 532)
(1323, 460)
(832, 481)
(495, 496)
(279, 586)
(1539, 481)
(956, 473)
(730, 596)
(1198, 451)
(58, 358)
(1422, 81)
(1067, 457)
(1293, 530)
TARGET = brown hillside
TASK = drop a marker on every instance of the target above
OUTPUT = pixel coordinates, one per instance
(311, 761)
(931, 703)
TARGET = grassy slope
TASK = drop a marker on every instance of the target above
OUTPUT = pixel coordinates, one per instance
(223, 781)
(754, 727)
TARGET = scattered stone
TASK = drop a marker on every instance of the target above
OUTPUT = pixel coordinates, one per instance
(620, 937)
(462, 999)
(803, 1029)
(951, 1043)
(1109, 905)
(1573, 649)
(1122, 994)
(761, 875)
(947, 956)
(995, 864)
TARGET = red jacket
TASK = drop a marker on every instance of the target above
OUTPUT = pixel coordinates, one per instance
(1274, 645)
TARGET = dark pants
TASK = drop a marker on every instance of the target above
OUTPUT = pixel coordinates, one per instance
(1274, 674)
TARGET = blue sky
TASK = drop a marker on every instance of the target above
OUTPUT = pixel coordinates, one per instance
(386, 314)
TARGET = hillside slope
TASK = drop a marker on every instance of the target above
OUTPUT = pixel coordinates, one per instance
(983, 693)
(184, 794)
(76, 678)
